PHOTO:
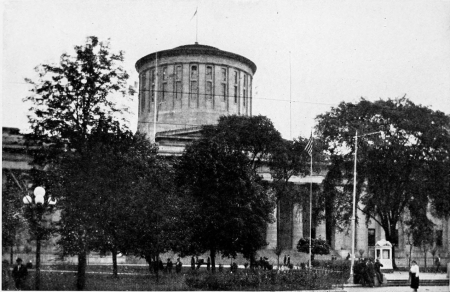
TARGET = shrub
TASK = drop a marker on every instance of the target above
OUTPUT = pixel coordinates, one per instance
(265, 280)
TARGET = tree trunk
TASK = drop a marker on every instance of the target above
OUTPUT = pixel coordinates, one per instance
(391, 237)
(212, 254)
(424, 255)
(11, 254)
(157, 267)
(37, 283)
(114, 259)
(81, 276)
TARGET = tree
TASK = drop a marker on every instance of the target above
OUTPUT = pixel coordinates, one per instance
(69, 101)
(256, 136)
(230, 204)
(12, 213)
(394, 169)
(318, 246)
(287, 159)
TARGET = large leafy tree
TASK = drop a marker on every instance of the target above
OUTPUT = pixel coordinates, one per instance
(230, 204)
(393, 169)
(69, 101)
(122, 181)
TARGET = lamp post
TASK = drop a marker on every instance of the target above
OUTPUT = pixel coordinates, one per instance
(351, 279)
(37, 208)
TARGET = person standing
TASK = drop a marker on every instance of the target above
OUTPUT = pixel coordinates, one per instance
(19, 274)
(192, 263)
(378, 273)
(414, 276)
(370, 272)
(208, 263)
(169, 266)
(284, 260)
(178, 266)
(437, 263)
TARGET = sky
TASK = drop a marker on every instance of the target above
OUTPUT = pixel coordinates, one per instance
(310, 55)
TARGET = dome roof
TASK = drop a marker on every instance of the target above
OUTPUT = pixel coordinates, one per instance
(195, 49)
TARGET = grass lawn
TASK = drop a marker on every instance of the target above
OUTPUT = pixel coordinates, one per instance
(101, 279)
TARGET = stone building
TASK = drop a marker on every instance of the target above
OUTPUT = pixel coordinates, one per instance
(192, 85)
(197, 84)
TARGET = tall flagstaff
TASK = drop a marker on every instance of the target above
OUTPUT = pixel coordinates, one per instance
(155, 104)
(308, 148)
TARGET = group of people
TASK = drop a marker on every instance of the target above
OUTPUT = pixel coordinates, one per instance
(158, 265)
(196, 263)
(366, 271)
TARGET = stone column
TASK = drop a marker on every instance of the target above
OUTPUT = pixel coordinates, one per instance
(297, 225)
(446, 235)
(271, 236)
(362, 240)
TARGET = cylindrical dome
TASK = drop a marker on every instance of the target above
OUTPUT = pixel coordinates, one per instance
(196, 84)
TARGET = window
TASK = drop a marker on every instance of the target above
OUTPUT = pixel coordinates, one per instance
(178, 89)
(194, 89)
(235, 77)
(165, 73)
(153, 93)
(179, 71)
(164, 91)
(438, 237)
(153, 85)
(224, 74)
(223, 90)
(142, 91)
(194, 72)
(235, 94)
(371, 238)
(209, 89)
(208, 72)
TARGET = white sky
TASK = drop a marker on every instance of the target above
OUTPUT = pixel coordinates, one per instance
(339, 50)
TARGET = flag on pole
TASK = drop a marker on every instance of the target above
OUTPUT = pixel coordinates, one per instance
(309, 146)
(195, 13)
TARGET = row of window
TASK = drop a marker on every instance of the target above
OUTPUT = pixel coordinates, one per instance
(193, 83)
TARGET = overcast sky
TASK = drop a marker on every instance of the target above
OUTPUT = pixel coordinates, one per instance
(311, 55)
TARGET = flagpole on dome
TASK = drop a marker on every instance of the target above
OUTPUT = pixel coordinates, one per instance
(196, 25)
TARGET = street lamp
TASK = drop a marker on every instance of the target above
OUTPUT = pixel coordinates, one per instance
(351, 279)
(37, 208)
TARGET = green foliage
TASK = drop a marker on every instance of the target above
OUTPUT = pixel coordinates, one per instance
(319, 246)
(336, 265)
(12, 215)
(229, 205)
(70, 99)
(256, 136)
(394, 169)
(264, 280)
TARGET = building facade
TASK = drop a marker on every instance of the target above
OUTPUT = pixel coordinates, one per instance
(192, 85)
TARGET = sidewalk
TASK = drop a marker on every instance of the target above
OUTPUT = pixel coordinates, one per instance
(397, 289)
(423, 276)
(398, 281)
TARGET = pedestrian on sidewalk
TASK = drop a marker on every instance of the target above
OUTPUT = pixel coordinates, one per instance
(414, 276)
(437, 264)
